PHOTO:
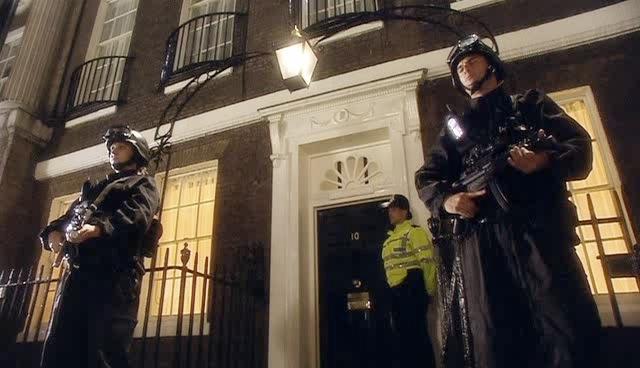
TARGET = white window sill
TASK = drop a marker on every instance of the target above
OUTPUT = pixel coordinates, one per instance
(14, 35)
(175, 87)
(472, 4)
(92, 116)
(352, 32)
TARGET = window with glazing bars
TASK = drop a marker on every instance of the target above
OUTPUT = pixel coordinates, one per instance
(600, 186)
(207, 34)
(114, 40)
(46, 298)
(314, 11)
(8, 55)
(187, 218)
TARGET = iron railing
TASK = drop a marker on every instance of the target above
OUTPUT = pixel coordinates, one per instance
(95, 85)
(203, 44)
(220, 320)
(313, 13)
(322, 19)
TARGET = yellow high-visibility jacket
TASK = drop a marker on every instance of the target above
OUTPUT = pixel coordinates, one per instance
(409, 247)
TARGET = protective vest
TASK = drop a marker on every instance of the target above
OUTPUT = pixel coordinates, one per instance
(409, 247)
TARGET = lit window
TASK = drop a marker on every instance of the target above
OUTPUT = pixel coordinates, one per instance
(112, 37)
(601, 185)
(117, 27)
(187, 217)
(59, 207)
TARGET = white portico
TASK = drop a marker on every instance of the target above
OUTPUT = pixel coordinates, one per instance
(345, 146)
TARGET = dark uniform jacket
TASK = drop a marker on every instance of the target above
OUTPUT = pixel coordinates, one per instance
(527, 299)
(96, 304)
(124, 216)
(572, 160)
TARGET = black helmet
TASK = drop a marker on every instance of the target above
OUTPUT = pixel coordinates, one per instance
(473, 45)
(401, 202)
(123, 133)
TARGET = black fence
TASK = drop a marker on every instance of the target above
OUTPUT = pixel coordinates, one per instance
(202, 43)
(95, 85)
(189, 316)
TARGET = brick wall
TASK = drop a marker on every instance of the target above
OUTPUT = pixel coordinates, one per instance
(267, 30)
(17, 223)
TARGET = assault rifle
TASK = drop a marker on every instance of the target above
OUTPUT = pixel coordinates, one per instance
(485, 167)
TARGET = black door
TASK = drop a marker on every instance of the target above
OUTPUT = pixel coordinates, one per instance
(353, 295)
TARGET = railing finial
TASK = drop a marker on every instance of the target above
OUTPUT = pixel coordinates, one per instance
(185, 254)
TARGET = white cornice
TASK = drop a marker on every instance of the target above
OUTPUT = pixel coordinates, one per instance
(398, 83)
(596, 25)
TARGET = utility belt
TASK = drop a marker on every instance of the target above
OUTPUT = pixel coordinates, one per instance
(106, 264)
(453, 227)
(119, 281)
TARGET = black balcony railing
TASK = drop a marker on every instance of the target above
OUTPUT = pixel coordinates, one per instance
(202, 44)
(314, 15)
(95, 84)
(317, 11)
(324, 18)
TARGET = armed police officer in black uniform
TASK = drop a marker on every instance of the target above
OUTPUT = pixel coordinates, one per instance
(514, 292)
(104, 236)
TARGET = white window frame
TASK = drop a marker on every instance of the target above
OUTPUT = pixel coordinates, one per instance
(12, 36)
(184, 13)
(91, 54)
(184, 9)
(629, 303)
(585, 93)
(96, 32)
(169, 322)
(177, 86)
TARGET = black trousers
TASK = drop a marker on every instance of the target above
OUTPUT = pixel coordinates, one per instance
(93, 320)
(409, 310)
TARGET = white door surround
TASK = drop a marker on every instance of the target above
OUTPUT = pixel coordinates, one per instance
(348, 145)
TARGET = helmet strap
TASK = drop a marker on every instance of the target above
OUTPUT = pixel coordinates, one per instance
(477, 85)
(119, 166)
